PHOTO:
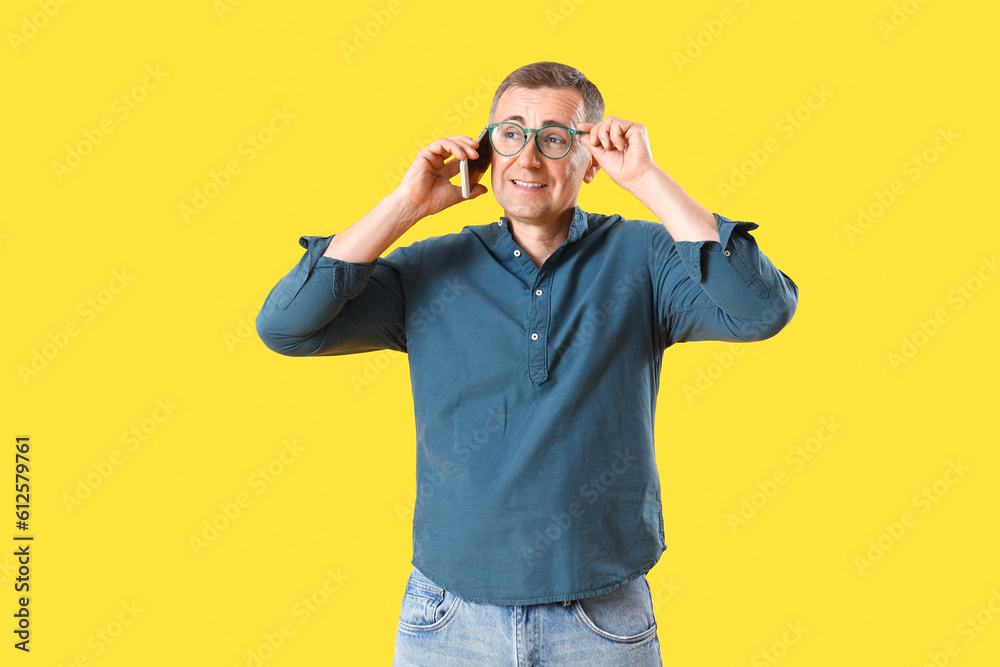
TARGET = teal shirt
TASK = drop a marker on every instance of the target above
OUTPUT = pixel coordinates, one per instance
(534, 389)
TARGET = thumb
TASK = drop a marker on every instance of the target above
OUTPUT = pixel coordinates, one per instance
(477, 191)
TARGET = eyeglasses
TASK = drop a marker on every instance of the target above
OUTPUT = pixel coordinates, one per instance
(552, 141)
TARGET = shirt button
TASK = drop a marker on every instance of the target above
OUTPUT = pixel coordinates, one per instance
(517, 253)
(534, 336)
(727, 253)
(538, 292)
(500, 223)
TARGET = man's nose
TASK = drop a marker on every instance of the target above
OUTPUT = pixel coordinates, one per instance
(529, 155)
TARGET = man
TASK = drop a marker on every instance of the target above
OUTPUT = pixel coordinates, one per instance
(534, 345)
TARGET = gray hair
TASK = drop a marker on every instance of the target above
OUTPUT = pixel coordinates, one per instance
(549, 74)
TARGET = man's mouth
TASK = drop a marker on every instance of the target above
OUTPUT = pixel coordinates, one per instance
(528, 184)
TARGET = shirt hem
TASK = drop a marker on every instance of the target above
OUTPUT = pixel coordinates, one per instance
(544, 599)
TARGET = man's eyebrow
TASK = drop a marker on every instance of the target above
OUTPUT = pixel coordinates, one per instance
(521, 120)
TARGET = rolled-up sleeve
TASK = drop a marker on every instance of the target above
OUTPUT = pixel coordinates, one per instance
(718, 290)
(326, 306)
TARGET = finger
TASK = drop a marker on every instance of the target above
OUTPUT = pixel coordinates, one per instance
(604, 131)
(464, 140)
(589, 132)
(445, 147)
(430, 158)
(595, 132)
(589, 143)
(469, 145)
(434, 154)
(456, 148)
(618, 136)
(477, 191)
(451, 168)
(595, 139)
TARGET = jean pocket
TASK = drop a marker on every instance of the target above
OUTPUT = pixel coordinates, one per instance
(426, 606)
(623, 615)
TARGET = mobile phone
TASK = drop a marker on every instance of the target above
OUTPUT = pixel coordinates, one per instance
(472, 170)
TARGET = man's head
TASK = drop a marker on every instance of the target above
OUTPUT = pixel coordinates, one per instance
(540, 94)
(554, 75)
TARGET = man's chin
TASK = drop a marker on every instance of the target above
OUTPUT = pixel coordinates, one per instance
(523, 214)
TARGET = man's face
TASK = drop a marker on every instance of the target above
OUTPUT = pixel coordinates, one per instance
(559, 180)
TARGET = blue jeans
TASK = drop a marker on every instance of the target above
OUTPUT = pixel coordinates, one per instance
(436, 627)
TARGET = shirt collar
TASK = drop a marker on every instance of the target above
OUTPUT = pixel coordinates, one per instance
(577, 227)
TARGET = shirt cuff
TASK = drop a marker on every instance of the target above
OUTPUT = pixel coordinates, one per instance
(690, 251)
(349, 278)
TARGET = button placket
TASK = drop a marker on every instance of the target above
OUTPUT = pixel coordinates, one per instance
(513, 256)
(538, 327)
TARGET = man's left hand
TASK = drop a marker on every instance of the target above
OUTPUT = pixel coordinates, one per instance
(621, 148)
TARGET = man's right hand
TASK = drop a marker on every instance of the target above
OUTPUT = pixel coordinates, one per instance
(425, 189)
(426, 185)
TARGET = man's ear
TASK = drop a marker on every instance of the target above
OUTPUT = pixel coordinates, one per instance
(592, 170)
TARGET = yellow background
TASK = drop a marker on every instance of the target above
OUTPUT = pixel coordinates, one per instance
(180, 330)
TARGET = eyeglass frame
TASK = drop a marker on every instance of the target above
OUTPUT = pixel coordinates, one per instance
(572, 133)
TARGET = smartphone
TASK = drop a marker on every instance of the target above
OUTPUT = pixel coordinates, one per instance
(472, 170)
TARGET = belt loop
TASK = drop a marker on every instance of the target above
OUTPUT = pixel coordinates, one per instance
(567, 603)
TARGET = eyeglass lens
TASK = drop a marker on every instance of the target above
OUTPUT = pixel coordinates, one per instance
(508, 139)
